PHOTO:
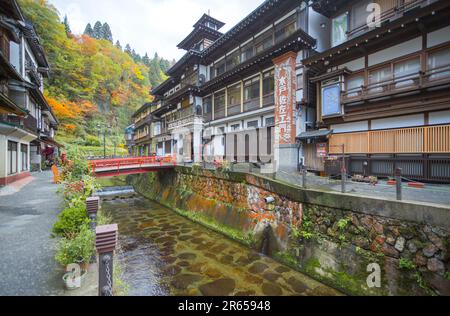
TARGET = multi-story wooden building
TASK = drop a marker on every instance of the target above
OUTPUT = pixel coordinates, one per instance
(248, 79)
(326, 77)
(383, 90)
(27, 123)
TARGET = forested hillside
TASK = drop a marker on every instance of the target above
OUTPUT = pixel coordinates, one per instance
(92, 81)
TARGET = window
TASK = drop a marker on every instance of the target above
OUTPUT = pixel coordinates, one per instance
(354, 85)
(220, 67)
(251, 89)
(269, 121)
(157, 129)
(233, 59)
(439, 61)
(339, 29)
(219, 105)
(251, 94)
(406, 72)
(253, 124)
(234, 95)
(286, 28)
(235, 127)
(234, 100)
(379, 79)
(247, 52)
(299, 81)
(264, 41)
(359, 17)
(207, 105)
(12, 158)
(269, 83)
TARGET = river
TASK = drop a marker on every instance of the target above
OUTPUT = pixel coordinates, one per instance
(163, 254)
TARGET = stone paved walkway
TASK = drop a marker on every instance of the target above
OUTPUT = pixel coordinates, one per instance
(27, 213)
(437, 194)
(432, 193)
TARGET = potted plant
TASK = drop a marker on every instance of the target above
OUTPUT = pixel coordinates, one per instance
(75, 251)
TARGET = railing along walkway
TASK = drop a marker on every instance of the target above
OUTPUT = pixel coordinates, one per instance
(128, 165)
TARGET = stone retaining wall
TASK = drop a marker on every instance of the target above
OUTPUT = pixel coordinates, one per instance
(329, 236)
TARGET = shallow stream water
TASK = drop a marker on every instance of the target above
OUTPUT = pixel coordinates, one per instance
(163, 253)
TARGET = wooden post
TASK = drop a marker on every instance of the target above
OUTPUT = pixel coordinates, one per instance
(106, 243)
(398, 180)
(304, 174)
(343, 171)
(92, 207)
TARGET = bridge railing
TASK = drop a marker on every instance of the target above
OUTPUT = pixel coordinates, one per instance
(137, 162)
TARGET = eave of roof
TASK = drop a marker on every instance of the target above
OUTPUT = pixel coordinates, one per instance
(12, 8)
(184, 60)
(163, 87)
(35, 44)
(198, 34)
(315, 134)
(329, 7)
(10, 107)
(258, 13)
(143, 108)
(37, 94)
(208, 18)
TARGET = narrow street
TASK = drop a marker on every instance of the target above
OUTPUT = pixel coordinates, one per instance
(27, 213)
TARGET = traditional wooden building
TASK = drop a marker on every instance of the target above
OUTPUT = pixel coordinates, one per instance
(227, 86)
(27, 123)
(382, 86)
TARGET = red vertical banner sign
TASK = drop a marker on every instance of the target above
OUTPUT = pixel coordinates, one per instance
(285, 99)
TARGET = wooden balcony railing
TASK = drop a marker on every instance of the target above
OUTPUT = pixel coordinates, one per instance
(417, 140)
(434, 77)
(391, 9)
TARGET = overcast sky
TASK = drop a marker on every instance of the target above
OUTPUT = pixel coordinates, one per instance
(152, 25)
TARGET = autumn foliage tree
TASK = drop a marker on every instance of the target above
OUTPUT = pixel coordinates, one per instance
(89, 77)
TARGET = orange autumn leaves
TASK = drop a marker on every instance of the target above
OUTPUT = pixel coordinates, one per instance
(70, 112)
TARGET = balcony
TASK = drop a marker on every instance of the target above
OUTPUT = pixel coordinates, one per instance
(182, 118)
(400, 85)
(391, 10)
(190, 80)
(417, 140)
(29, 123)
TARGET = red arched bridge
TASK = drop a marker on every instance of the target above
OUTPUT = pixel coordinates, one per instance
(126, 166)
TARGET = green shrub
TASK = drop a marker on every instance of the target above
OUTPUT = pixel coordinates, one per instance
(92, 141)
(78, 249)
(406, 264)
(71, 220)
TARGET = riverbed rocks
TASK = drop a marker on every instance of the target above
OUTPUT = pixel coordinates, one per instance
(258, 268)
(183, 281)
(221, 287)
(271, 289)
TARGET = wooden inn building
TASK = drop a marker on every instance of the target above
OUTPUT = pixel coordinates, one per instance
(313, 79)
(27, 123)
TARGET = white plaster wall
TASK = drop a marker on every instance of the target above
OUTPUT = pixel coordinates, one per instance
(399, 122)
(3, 151)
(441, 117)
(350, 127)
(316, 31)
(399, 50)
(354, 65)
(438, 37)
